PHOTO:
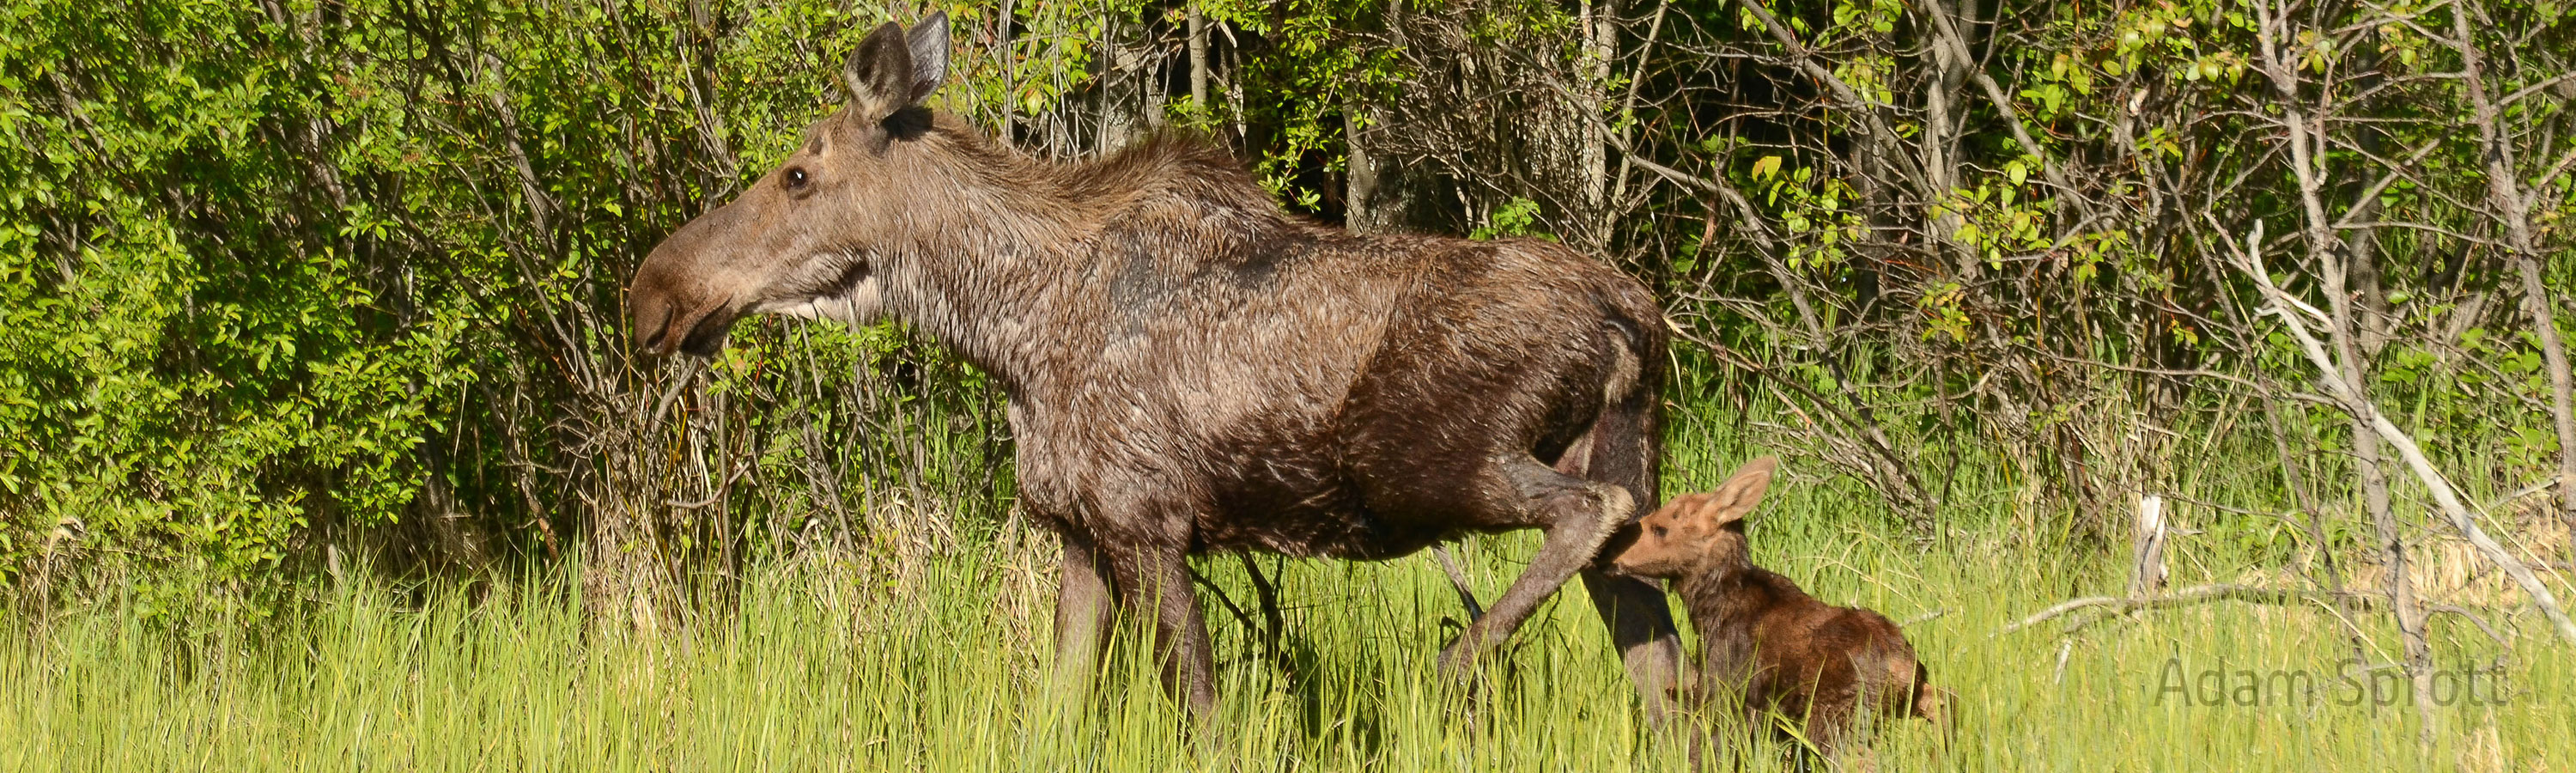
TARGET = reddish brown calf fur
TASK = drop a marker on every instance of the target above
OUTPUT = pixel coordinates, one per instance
(1765, 640)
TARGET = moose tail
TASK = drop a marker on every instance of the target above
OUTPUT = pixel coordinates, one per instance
(1625, 444)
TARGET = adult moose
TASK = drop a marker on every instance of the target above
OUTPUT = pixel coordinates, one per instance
(1188, 369)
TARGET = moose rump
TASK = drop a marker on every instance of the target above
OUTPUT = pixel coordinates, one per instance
(1469, 373)
(1189, 369)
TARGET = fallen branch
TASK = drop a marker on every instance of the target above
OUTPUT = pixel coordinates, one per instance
(2525, 492)
(2474, 619)
(2197, 594)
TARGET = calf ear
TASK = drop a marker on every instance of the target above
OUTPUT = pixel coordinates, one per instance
(1741, 492)
(879, 75)
(929, 45)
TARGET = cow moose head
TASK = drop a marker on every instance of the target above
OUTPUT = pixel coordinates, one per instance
(809, 237)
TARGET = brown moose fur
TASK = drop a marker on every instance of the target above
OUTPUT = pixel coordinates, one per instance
(1768, 647)
(1188, 369)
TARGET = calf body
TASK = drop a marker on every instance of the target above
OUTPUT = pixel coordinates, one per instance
(1769, 648)
(1188, 369)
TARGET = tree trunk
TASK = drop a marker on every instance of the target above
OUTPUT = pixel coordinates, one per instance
(1594, 66)
(2562, 389)
(2305, 135)
(1198, 60)
(1362, 211)
(2506, 198)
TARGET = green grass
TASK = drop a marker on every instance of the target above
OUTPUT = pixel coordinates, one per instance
(941, 666)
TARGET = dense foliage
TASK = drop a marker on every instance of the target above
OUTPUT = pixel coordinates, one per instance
(287, 280)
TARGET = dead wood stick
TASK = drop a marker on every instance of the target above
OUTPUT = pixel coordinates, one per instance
(2525, 492)
(715, 496)
(2196, 594)
(2474, 619)
(2147, 568)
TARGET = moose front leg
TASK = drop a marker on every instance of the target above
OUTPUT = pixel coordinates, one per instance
(1082, 612)
(1578, 516)
(1641, 627)
(1155, 580)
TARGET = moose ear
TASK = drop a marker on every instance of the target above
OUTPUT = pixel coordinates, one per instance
(1741, 492)
(929, 45)
(879, 75)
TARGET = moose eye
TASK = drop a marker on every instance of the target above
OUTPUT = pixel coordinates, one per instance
(796, 178)
(1660, 531)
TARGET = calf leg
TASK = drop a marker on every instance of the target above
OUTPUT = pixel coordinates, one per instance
(1577, 515)
(1082, 613)
(1828, 723)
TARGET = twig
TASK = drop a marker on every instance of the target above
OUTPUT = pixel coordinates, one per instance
(1458, 580)
(2523, 493)
(2049, 168)
(2474, 619)
(1864, 107)
(1222, 599)
(1268, 595)
(718, 495)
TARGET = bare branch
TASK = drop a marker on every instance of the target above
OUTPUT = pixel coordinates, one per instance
(2443, 494)
(2197, 594)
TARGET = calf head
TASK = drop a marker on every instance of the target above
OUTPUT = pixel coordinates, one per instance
(1699, 533)
(804, 238)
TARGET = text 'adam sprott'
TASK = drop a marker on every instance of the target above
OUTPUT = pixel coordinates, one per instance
(2350, 683)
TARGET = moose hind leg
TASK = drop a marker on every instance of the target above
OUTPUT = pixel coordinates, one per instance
(1577, 516)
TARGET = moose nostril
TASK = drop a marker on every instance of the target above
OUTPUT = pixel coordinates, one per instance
(653, 338)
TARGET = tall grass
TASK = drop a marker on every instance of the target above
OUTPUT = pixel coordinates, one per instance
(934, 674)
(942, 664)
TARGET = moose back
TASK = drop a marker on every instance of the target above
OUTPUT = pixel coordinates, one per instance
(1189, 369)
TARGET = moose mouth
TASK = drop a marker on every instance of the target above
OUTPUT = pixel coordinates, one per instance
(700, 335)
(707, 337)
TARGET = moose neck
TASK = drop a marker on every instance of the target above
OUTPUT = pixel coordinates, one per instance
(1721, 594)
(1006, 253)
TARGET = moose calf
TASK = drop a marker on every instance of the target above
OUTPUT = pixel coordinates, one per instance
(1778, 648)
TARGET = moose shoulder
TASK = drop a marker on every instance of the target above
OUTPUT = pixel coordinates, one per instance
(1190, 369)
